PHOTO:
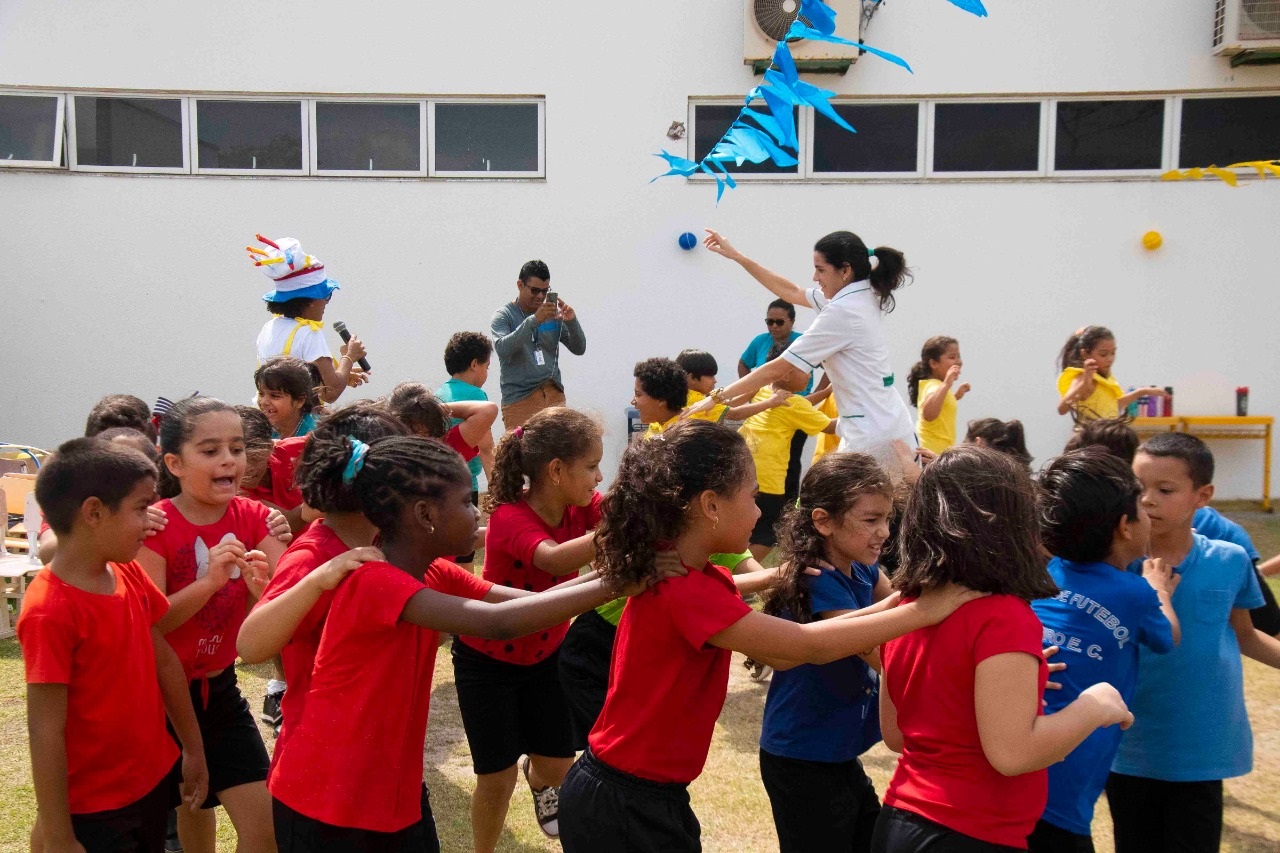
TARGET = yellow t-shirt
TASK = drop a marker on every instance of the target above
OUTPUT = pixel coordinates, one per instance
(715, 414)
(768, 436)
(1104, 402)
(655, 429)
(940, 433)
(827, 441)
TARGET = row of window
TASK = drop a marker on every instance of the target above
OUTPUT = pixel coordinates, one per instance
(210, 135)
(1015, 138)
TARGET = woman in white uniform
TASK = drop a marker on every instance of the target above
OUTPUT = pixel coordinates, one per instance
(855, 287)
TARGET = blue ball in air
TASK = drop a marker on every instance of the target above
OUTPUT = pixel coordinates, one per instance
(688, 241)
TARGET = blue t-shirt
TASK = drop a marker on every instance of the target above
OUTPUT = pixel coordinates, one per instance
(826, 712)
(1098, 620)
(1211, 524)
(1190, 722)
(757, 353)
(457, 391)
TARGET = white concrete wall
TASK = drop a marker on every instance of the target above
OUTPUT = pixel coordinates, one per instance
(139, 284)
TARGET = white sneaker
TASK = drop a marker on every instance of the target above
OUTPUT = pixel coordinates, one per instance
(546, 805)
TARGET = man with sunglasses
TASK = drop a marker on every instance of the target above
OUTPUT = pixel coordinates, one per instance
(527, 334)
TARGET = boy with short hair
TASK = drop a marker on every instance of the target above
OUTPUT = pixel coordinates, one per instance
(466, 359)
(1095, 526)
(100, 678)
(1191, 727)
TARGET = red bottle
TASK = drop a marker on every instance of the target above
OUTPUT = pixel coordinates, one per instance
(1242, 401)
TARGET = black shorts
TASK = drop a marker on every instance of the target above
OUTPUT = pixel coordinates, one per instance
(509, 710)
(901, 831)
(1267, 617)
(297, 833)
(1047, 838)
(233, 747)
(770, 510)
(585, 656)
(818, 806)
(136, 828)
(1151, 814)
(603, 808)
(470, 558)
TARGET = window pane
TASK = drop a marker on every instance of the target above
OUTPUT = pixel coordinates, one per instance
(368, 137)
(711, 121)
(249, 134)
(1110, 135)
(1221, 131)
(128, 132)
(886, 139)
(27, 125)
(986, 137)
(486, 137)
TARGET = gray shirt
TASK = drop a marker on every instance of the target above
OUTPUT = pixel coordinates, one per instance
(518, 339)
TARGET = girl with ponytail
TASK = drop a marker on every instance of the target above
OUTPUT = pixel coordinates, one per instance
(856, 286)
(930, 389)
(691, 492)
(1086, 384)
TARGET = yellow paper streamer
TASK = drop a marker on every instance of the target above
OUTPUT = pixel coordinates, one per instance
(1226, 174)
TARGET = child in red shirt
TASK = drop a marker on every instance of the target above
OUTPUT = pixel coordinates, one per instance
(509, 692)
(269, 465)
(202, 561)
(961, 700)
(351, 777)
(100, 676)
(694, 489)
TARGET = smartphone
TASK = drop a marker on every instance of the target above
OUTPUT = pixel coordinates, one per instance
(553, 298)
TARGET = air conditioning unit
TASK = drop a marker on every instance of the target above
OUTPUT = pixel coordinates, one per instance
(767, 21)
(1244, 25)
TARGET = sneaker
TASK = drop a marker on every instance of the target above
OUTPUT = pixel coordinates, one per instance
(171, 842)
(546, 805)
(271, 709)
(759, 672)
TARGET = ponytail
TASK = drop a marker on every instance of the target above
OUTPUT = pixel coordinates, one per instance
(525, 453)
(175, 431)
(1083, 340)
(933, 349)
(844, 248)
(319, 472)
(1006, 436)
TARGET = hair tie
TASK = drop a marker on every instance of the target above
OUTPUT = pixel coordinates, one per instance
(871, 253)
(518, 432)
(359, 450)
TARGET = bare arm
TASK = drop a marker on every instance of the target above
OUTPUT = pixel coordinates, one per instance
(932, 405)
(746, 410)
(743, 370)
(1080, 388)
(498, 592)
(486, 454)
(889, 731)
(505, 620)
(177, 704)
(774, 283)
(1015, 738)
(335, 379)
(47, 730)
(1149, 391)
(477, 418)
(565, 558)
(765, 374)
(187, 601)
(46, 547)
(1254, 644)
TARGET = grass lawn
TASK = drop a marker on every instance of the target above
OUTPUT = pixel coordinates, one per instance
(728, 797)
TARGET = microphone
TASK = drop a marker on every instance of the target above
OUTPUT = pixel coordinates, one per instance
(341, 328)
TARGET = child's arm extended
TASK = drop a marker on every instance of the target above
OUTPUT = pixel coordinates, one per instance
(765, 638)
(477, 418)
(1015, 738)
(47, 730)
(271, 624)
(565, 558)
(1253, 643)
(1149, 391)
(177, 704)
(746, 410)
(438, 611)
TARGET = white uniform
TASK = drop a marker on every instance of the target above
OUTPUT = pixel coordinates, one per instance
(847, 340)
(302, 339)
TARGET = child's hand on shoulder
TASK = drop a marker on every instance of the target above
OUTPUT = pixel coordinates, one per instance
(937, 603)
(225, 559)
(1053, 667)
(1160, 575)
(156, 520)
(256, 572)
(1111, 709)
(779, 397)
(667, 565)
(278, 526)
(333, 572)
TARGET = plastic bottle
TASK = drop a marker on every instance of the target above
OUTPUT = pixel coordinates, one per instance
(1168, 401)
(1242, 401)
(1132, 408)
(1153, 406)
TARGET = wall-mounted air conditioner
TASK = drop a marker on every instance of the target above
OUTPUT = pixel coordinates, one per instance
(1243, 25)
(767, 21)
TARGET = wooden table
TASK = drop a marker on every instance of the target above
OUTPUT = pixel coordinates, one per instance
(1224, 427)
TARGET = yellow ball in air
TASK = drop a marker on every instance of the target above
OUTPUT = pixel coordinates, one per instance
(1152, 241)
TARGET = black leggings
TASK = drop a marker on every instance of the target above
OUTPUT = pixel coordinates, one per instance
(901, 831)
(818, 806)
(1172, 817)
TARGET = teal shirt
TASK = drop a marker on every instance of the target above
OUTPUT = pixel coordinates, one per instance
(305, 427)
(457, 391)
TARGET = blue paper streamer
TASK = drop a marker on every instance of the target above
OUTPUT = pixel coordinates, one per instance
(782, 90)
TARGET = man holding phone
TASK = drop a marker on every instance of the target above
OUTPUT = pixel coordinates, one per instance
(527, 334)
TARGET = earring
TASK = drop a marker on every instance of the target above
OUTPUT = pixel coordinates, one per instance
(555, 482)
(715, 522)
(431, 528)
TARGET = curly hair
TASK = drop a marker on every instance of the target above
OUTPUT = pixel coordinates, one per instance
(554, 433)
(318, 474)
(418, 409)
(175, 431)
(933, 349)
(464, 348)
(663, 379)
(120, 410)
(834, 484)
(1082, 496)
(656, 483)
(971, 519)
(400, 470)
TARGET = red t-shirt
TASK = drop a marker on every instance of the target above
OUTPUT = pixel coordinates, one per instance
(314, 546)
(454, 439)
(207, 641)
(281, 491)
(943, 774)
(666, 685)
(356, 758)
(100, 647)
(515, 532)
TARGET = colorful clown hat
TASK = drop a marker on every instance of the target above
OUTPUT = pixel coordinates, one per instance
(297, 275)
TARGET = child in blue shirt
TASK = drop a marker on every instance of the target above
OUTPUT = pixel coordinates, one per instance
(1191, 727)
(1211, 524)
(466, 358)
(1092, 522)
(818, 718)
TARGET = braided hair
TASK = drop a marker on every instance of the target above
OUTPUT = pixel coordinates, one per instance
(324, 459)
(402, 469)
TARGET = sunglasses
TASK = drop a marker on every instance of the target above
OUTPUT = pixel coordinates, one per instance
(537, 291)
(771, 322)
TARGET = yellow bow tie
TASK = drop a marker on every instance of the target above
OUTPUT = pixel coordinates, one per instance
(314, 325)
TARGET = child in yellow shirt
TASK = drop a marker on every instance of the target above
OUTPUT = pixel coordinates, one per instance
(1086, 385)
(931, 387)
